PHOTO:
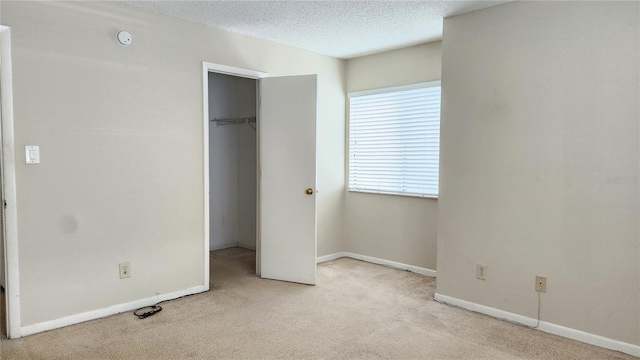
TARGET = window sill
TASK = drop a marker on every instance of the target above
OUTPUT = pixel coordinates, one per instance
(434, 197)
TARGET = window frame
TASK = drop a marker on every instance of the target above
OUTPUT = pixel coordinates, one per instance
(348, 147)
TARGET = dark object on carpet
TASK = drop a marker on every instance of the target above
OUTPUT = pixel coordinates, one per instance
(147, 311)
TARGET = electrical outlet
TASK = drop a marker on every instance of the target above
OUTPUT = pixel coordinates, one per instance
(481, 271)
(125, 270)
(541, 284)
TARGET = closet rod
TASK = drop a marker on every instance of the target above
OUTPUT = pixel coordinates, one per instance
(233, 121)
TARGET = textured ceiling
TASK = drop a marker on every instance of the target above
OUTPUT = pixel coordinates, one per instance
(343, 29)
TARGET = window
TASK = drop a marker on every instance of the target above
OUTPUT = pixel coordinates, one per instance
(394, 140)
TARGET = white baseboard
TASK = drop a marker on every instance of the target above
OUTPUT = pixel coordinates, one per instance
(547, 327)
(374, 260)
(111, 310)
(214, 247)
(330, 257)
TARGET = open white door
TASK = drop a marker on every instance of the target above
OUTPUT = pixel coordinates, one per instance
(287, 178)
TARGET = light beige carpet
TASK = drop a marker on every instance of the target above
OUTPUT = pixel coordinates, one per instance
(357, 311)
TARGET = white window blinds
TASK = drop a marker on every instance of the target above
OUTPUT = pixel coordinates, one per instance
(394, 140)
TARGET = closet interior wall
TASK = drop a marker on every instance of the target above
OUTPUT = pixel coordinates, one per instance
(232, 163)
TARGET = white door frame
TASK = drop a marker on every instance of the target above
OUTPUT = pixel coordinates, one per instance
(208, 67)
(12, 289)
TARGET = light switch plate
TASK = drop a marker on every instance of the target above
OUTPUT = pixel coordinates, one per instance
(33, 154)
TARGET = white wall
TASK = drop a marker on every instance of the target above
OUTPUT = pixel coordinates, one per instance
(397, 228)
(540, 162)
(247, 197)
(120, 132)
(232, 163)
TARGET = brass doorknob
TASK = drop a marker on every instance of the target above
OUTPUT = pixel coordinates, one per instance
(309, 191)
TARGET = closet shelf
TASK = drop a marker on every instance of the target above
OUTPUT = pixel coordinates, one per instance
(234, 121)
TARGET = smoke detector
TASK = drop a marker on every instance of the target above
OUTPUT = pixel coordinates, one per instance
(124, 38)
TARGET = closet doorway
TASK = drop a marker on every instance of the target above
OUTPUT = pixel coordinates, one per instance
(260, 172)
(232, 170)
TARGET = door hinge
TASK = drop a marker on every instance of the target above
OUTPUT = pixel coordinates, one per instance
(5, 204)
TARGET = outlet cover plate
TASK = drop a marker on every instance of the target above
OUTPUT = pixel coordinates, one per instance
(541, 284)
(125, 270)
(481, 271)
